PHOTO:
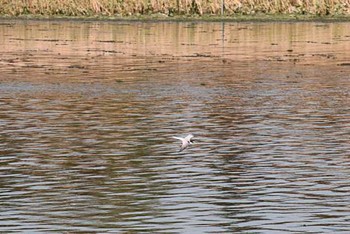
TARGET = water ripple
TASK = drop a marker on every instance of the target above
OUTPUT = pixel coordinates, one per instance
(90, 150)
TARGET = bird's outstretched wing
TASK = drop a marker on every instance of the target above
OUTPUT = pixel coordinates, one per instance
(188, 138)
(183, 146)
(179, 138)
(184, 143)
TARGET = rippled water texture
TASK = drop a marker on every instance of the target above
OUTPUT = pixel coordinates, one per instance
(87, 111)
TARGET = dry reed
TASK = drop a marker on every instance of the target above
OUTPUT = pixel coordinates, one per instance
(172, 7)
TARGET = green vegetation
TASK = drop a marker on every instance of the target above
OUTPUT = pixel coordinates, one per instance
(173, 8)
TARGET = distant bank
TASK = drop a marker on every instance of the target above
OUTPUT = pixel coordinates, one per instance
(239, 10)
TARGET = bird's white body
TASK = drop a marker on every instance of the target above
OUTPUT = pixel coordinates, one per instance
(185, 141)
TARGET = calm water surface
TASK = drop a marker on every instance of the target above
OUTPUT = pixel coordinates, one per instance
(87, 111)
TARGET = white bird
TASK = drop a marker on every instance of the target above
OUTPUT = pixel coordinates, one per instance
(185, 141)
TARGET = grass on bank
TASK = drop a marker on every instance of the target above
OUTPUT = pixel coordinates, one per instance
(173, 8)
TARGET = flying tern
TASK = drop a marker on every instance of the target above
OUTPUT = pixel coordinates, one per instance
(185, 141)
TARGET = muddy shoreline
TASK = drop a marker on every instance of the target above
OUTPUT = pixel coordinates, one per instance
(194, 18)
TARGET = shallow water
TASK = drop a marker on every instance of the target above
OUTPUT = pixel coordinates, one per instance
(87, 111)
